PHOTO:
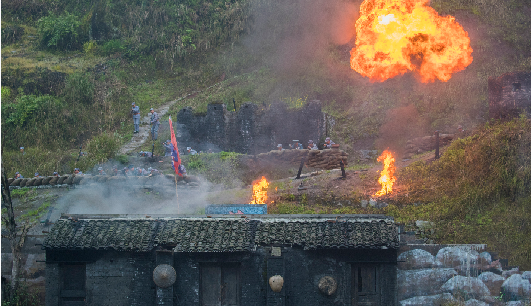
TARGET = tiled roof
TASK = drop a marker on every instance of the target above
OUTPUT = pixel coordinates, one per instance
(221, 234)
(329, 234)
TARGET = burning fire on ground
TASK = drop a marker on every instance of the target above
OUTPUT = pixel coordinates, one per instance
(397, 36)
(260, 191)
(387, 178)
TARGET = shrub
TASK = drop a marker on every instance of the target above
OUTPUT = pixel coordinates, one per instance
(62, 32)
(90, 47)
(103, 147)
(11, 33)
(112, 46)
(28, 108)
(79, 87)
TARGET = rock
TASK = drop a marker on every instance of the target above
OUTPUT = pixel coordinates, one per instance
(454, 256)
(439, 299)
(416, 259)
(527, 275)
(470, 270)
(474, 302)
(364, 203)
(516, 303)
(422, 282)
(511, 272)
(470, 287)
(515, 288)
(485, 258)
(492, 281)
(373, 202)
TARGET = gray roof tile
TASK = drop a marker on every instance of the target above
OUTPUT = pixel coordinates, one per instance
(221, 234)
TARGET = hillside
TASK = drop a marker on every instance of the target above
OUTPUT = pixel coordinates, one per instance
(70, 70)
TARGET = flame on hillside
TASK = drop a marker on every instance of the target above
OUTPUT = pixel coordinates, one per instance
(397, 36)
(260, 191)
(387, 178)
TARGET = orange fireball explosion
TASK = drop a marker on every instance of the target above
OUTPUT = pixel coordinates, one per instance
(260, 191)
(387, 177)
(394, 36)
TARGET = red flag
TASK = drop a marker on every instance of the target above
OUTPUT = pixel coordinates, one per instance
(175, 158)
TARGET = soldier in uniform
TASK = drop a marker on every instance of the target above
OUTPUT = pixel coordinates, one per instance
(191, 151)
(328, 143)
(154, 124)
(77, 172)
(135, 110)
(101, 172)
(18, 175)
(167, 146)
(311, 145)
(56, 174)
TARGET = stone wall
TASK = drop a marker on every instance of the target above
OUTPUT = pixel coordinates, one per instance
(509, 95)
(252, 129)
(430, 274)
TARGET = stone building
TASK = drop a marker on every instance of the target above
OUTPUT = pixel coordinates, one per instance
(222, 260)
(252, 129)
(510, 95)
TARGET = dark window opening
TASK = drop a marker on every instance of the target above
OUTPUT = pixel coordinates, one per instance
(517, 86)
(220, 284)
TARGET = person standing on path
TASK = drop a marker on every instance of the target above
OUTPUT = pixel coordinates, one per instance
(135, 110)
(154, 124)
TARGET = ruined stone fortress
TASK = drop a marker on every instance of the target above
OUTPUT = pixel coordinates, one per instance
(253, 128)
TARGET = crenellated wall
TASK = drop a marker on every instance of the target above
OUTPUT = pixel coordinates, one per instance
(252, 129)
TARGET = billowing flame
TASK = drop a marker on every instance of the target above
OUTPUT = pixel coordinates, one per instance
(397, 36)
(387, 178)
(260, 191)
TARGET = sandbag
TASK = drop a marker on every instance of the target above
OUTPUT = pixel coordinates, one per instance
(62, 179)
(77, 179)
(23, 182)
(31, 182)
(46, 180)
(10, 180)
(16, 182)
(69, 179)
(54, 180)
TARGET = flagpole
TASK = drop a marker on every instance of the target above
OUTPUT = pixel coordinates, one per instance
(175, 168)
(176, 195)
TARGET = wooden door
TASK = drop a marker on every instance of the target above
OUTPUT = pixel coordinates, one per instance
(365, 285)
(220, 285)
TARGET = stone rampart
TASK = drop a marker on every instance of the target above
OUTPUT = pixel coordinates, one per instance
(252, 129)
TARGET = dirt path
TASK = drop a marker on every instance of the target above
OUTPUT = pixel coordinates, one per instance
(145, 129)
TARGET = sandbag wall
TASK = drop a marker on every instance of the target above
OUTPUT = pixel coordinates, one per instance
(89, 179)
(322, 159)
